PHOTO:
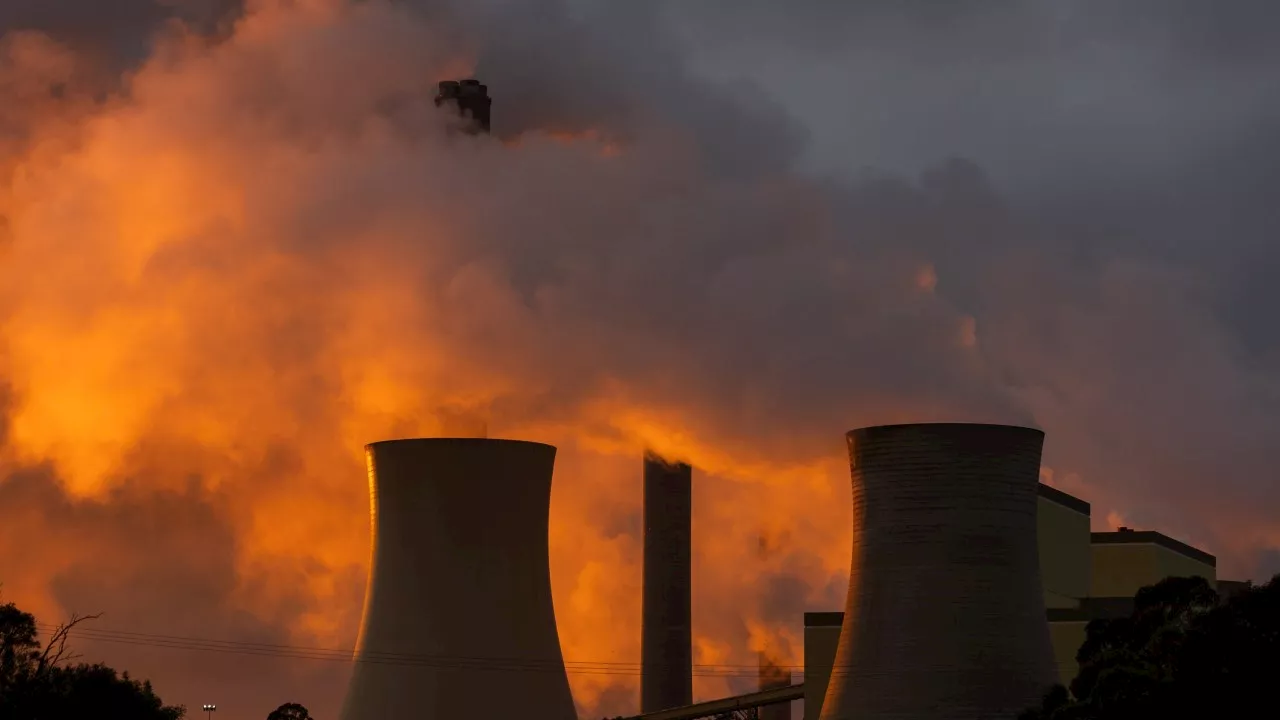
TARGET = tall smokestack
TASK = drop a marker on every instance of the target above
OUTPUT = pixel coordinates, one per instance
(944, 618)
(458, 620)
(772, 676)
(469, 100)
(666, 640)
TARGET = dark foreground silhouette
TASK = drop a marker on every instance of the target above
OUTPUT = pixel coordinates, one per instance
(290, 711)
(39, 681)
(1183, 653)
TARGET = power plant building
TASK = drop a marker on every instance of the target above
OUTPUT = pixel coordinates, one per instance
(1122, 563)
(458, 619)
(1086, 576)
(1127, 560)
(944, 617)
(1062, 528)
(970, 587)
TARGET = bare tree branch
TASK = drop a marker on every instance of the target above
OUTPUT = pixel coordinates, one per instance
(55, 651)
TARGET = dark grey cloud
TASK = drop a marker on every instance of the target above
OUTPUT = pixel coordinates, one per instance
(1235, 32)
(1270, 566)
(616, 69)
(119, 31)
(1123, 274)
(1108, 232)
(1122, 92)
(992, 27)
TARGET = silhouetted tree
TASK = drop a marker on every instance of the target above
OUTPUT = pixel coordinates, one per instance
(19, 645)
(36, 684)
(290, 711)
(1180, 654)
(1231, 657)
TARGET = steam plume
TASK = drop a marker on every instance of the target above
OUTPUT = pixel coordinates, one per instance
(249, 248)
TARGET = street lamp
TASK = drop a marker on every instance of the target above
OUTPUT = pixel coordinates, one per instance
(210, 709)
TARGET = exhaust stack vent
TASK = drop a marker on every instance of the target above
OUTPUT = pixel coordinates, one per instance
(470, 100)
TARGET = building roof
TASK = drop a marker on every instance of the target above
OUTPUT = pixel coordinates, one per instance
(823, 619)
(1071, 502)
(1125, 536)
(1092, 608)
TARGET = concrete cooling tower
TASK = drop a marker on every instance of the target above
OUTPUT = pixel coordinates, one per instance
(458, 620)
(945, 615)
(666, 639)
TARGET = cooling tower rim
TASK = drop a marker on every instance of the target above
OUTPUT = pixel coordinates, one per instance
(460, 441)
(944, 425)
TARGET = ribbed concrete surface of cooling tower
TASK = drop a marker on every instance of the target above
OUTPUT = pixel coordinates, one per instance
(666, 639)
(945, 617)
(458, 620)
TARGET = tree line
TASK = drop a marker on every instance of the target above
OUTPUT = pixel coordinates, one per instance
(41, 680)
(1183, 652)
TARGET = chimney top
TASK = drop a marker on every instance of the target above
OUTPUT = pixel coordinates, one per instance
(469, 98)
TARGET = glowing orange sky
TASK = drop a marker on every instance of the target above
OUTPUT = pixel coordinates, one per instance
(166, 316)
(241, 270)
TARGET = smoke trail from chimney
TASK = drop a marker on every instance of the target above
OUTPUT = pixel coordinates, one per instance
(771, 676)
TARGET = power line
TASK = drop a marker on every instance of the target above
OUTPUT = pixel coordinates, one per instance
(446, 662)
(441, 662)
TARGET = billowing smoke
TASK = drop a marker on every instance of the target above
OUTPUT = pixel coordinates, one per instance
(1134, 144)
(251, 247)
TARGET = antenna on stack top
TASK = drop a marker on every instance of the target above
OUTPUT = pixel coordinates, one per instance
(469, 99)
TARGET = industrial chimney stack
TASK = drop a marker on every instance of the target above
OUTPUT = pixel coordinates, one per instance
(666, 641)
(470, 100)
(944, 618)
(458, 619)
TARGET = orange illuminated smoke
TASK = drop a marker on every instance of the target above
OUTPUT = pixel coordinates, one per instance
(242, 267)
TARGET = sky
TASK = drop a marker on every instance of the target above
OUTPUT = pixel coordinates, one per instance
(236, 244)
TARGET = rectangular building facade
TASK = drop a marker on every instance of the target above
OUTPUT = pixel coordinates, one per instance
(1127, 560)
(1065, 560)
(821, 636)
(1067, 629)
